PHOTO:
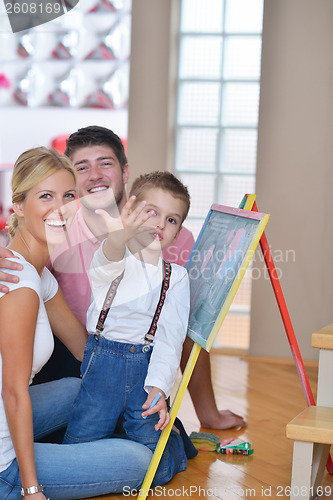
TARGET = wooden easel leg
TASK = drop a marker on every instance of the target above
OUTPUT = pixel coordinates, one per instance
(309, 460)
(173, 414)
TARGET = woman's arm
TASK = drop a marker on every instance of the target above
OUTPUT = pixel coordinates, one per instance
(17, 333)
(65, 325)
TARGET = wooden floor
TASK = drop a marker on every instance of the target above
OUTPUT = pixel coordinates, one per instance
(269, 394)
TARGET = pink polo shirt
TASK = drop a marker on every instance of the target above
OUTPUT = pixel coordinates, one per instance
(180, 251)
(71, 261)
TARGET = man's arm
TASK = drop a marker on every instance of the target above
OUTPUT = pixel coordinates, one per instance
(5, 254)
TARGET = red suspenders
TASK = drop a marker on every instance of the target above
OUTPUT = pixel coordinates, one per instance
(149, 337)
(107, 303)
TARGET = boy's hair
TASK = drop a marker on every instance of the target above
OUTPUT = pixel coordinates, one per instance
(96, 136)
(161, 180)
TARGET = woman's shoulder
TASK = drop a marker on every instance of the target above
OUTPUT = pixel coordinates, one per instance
(28, 276)
(28, 269)
(49, 285)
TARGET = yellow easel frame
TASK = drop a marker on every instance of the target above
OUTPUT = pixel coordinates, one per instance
(196, 351)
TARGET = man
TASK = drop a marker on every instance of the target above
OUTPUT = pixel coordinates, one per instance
(103, 172)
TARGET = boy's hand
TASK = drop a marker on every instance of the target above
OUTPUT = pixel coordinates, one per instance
(133, 219)
(123, 228)
(8, 264)
(159, 407)
(130, 221)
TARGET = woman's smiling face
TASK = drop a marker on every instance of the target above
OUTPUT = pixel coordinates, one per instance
(49, 208)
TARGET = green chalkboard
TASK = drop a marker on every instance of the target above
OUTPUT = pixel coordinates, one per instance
(217, 265)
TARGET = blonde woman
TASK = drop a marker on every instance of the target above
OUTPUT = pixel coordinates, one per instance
(44, 205)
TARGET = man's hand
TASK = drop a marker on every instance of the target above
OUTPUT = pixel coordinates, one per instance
(159, 407)
(8, 264)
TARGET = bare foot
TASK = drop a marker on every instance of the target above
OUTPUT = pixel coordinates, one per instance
(225, 419)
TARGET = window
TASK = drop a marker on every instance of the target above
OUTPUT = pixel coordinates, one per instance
(217, 119)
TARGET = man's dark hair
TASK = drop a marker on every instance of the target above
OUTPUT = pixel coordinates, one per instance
(96, 136)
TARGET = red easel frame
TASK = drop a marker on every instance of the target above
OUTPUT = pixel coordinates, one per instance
(288, 324)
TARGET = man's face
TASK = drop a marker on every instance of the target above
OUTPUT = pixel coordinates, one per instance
(101, 182)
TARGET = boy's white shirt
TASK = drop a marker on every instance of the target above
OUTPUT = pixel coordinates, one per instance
(133, 309)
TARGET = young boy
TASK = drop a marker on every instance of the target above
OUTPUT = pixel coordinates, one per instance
(137, 323)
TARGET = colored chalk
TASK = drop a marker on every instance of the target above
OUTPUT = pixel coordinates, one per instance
(154, 402)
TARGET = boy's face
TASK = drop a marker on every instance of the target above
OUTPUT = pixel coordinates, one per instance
(167, 213)
(101, 182)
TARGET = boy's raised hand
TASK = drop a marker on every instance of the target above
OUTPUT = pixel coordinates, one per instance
(159, 407)
(133, 219)
(121, 229)
(130, 220)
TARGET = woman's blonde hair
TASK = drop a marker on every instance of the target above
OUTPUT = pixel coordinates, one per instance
(32, 167)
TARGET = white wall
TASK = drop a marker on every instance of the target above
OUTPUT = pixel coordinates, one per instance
(295, 171)
(22, 128)
(152, 85)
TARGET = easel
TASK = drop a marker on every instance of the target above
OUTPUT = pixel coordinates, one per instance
(248, 204)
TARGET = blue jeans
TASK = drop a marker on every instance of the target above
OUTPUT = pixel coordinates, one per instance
(113, 375)
(75, 471)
